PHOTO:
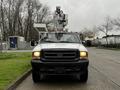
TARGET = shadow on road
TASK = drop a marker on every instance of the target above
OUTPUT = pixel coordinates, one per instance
(60, 80)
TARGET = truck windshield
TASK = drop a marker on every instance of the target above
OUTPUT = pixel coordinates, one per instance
(60, 38)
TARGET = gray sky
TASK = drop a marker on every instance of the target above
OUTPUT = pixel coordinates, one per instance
(86, 13)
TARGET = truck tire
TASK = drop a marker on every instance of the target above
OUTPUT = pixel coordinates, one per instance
(83, 77)
(36, 76)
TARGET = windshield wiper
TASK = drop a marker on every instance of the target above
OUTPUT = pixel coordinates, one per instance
(49, 41)
(65, 42)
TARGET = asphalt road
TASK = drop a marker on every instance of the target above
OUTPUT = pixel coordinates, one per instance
(104, 74)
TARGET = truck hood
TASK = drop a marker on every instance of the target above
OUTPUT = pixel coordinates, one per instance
(59, 45)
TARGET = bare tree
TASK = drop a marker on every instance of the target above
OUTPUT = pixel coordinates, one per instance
(17, 17)
(106, 27)
(90, 33)
(36, 13)
(116, 22)
(1, 24)
(2, 17)
(95, 31)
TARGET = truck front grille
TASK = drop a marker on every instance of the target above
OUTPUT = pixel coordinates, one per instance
(60, 54)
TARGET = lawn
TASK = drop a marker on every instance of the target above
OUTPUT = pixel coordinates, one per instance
(12, 66)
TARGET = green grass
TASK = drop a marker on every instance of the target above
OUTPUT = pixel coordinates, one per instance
(12, 66)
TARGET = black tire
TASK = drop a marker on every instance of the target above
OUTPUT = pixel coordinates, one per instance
(36, 76)
(83, 77)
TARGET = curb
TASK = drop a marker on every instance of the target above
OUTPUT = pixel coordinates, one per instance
(19, 80)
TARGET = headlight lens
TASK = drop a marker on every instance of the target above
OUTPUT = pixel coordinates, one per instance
(36, 55)
(83, 55)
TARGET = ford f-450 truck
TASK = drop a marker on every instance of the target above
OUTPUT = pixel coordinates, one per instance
(60, 54)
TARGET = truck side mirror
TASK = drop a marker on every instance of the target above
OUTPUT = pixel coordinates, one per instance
(83, 42)
(32, 43)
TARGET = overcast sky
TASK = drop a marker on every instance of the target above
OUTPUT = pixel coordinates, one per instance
(86, 13)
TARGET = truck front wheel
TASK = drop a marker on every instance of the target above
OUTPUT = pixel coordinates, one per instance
(36, 76)
(83, 77)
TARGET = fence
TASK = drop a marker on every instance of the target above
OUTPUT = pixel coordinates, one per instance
(111, 41)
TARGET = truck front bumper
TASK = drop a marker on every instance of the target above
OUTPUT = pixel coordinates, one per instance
(60, 67)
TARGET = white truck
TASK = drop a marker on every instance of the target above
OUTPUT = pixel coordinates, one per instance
(60, 54)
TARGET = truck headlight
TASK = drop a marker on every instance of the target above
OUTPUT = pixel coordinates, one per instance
(83, 55)
(36, 55)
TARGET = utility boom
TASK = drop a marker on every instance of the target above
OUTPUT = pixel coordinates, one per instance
(60, 19)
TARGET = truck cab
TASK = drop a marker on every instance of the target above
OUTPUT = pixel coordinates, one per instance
(60, 54)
